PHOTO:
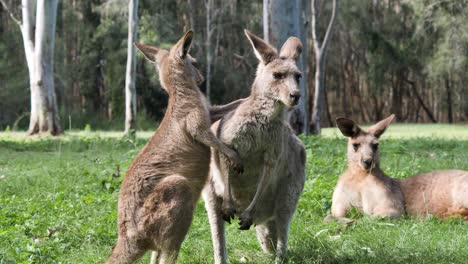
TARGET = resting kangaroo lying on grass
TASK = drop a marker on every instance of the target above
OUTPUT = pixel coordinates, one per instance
(164, 182)
(365, 187)
(274, 158)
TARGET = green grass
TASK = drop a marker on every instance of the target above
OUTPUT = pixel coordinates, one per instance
(404, 131)
(58, 202)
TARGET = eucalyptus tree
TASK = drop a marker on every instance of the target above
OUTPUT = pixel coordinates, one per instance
(320, 51)
(38, 32)
(130, 76)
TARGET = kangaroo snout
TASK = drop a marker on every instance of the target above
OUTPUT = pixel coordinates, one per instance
(294, 97)
(366, 163)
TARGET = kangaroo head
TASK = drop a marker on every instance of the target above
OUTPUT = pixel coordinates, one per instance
(277, 74)
(173, 62)
(363, 146)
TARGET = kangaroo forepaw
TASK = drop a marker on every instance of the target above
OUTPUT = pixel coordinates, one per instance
(245, 221)
(235, 162)
(228, 213)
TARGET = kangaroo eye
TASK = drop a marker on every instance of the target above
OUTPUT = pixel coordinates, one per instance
(278, 76)
(375, 146)
(355, 146)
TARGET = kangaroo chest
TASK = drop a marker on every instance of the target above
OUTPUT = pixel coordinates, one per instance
(261, 149)
(371, 195)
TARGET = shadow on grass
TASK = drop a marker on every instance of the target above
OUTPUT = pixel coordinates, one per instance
(69, 143)
(316, 250)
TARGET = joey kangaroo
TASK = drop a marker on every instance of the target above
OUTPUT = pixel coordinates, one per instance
(366, 187)
(274, 158)
(164, 182)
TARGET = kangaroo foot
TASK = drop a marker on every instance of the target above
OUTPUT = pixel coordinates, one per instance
(228, 212)
(245, 220)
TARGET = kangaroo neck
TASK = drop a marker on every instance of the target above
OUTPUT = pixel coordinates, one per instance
(180, 87)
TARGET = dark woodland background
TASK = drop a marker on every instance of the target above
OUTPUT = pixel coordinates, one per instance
(404, 57)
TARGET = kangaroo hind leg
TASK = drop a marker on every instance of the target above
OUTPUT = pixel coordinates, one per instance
(170, 212)
(267, 236)
(125, 252)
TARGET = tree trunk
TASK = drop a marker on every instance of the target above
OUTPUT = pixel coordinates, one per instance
(364, 114)
(130, 90)
(319, 89)
(44, 113)
(209, 52)
(303, 107)
(397, 97)
(281, 20)
(320, 51)
(329, 118)
(421, 102)
(448, 87)
(38, 41)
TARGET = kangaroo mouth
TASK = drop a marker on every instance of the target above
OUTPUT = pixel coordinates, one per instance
(294, 102)
(291, 102)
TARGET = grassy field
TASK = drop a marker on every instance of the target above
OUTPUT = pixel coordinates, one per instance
(58, 202)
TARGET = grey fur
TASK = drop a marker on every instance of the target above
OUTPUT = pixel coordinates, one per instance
(274, 158)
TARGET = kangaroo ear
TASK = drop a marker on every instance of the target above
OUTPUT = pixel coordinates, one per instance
(348, 127)
(264, 51)
(378, 129)
(291, 49)
(150, 52)
(182, 46)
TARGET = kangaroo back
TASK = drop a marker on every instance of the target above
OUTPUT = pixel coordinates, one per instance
(439, 193)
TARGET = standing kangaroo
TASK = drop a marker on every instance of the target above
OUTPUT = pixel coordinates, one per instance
(274, 158)
(364, 186)
(164, 182)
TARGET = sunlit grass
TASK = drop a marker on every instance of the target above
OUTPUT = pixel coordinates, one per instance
(398, 130)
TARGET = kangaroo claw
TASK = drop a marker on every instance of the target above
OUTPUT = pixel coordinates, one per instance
(228, 213)
(245, 221)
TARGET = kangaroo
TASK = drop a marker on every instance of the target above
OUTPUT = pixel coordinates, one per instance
(366, 187)
(162, 185)
(274, 158)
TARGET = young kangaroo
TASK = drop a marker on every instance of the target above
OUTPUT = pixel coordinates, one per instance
(164, 182)
(366, 187)
(274, 158)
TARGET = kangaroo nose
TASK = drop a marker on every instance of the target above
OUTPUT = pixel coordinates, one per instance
(367, 163)
(294, 96)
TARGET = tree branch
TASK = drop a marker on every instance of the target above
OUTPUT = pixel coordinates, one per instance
(420, 100)
(329, 28)
(5, 6)
(315, 40)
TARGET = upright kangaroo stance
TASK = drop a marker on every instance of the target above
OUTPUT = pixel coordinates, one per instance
(366, 187)
(164, 182)
(274, 158)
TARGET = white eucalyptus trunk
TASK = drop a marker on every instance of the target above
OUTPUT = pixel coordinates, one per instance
(39, 50)
(130, 76)
(209, 52)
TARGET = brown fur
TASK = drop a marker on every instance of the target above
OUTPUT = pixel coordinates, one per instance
(438, 193)
(365, 187)
(164, 182)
